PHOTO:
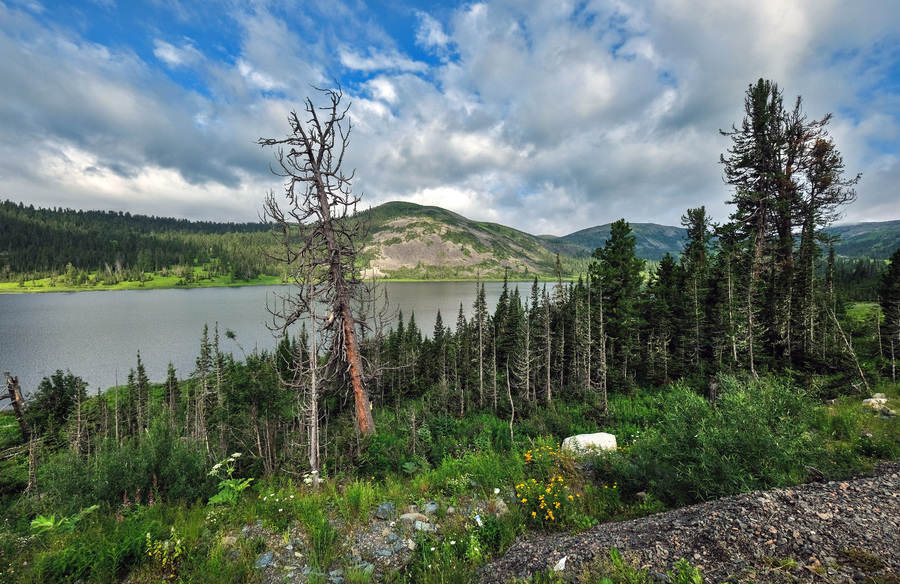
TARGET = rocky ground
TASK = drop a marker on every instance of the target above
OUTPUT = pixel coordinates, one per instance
(844, 531)
(836, 532)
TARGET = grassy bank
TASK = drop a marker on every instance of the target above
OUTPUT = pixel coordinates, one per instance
(156, 508)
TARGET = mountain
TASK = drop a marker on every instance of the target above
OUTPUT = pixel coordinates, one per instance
(653, 241)
(407, 240)
(877, 240)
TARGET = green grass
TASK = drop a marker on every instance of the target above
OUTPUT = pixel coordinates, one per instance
(675, 443)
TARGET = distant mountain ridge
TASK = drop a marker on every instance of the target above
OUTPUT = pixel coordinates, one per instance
(404, 241)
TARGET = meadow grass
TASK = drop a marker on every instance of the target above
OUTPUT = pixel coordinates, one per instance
(759, 434)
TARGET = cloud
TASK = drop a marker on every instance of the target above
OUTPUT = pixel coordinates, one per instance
(176, 56)
(546, 116)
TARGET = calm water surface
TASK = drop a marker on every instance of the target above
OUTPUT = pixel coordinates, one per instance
(97, 335)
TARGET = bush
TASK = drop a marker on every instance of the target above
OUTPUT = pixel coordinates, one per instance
(757, 436)
(159, 465)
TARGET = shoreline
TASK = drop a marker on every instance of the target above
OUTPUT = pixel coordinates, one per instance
(12, 288)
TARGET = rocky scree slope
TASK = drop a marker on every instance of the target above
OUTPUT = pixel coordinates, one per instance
(838, 532)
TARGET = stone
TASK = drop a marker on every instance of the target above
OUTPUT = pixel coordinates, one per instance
(883, 410)
(500, 507)
(385, 511)
(413, 517)
(264, 560)
(423, 526)
(431, 508)
(586, 442)
(878, 398)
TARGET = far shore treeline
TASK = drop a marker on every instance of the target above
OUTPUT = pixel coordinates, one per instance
(65, 249)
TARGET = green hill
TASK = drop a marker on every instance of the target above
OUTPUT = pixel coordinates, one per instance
(407, 240)
(877, 240)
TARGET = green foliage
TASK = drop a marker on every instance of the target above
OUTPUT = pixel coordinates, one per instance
(443, 560)
(359, 499)
(758, 436)
(41, 524)
(165, 554)
(160, 464)
(56, 397)
(230, 488)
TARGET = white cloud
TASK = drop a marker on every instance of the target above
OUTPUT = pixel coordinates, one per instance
(176, 56)
(377, 61)
(549, 116)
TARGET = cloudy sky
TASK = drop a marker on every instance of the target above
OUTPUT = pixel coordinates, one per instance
(548, 116)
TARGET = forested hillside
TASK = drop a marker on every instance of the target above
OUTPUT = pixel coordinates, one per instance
(35, 243)
(404, 240)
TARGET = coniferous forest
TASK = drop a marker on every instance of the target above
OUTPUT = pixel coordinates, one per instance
(738, 365)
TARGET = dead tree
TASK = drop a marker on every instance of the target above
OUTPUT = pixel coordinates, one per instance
(318, 232)
(14, 395)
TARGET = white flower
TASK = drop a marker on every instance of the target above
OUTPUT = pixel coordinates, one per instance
(496, 491)
(236, 455)
(432, 549)
(280, 510)
(453, 542)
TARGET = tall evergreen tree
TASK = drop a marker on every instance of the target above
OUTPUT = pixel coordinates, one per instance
(889, 298)
(786, 174)
(618, 270)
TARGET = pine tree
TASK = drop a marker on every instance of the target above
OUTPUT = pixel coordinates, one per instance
(618, 271)
(889, 299)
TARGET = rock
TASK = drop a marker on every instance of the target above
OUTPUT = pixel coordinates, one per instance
(423, 526)
(413, 517)
(585, 442)
(264, 560)
(500, 507)
(561, 564)
(431, 508)
(883, 410)
(385, 511)
(878, 398)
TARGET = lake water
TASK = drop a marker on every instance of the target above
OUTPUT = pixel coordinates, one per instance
(96, 335)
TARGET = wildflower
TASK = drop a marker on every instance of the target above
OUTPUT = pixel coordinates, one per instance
(453, 542)
(432, 549)
(496, 491)
(236, 455)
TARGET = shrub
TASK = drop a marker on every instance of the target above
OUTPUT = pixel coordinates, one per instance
(758, 436)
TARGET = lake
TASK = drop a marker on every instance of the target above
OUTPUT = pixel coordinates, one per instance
(97, 335)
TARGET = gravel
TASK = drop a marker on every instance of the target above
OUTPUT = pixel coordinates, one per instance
(841, 531)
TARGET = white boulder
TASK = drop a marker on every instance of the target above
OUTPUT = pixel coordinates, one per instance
(583, 442)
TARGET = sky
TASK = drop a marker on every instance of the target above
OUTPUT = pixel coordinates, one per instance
(546, 116)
